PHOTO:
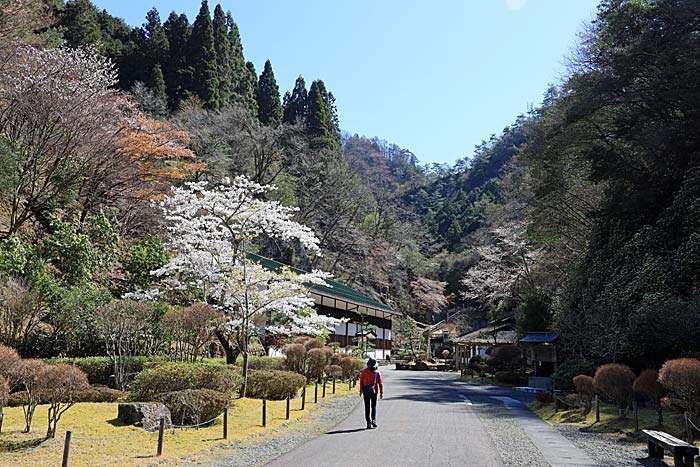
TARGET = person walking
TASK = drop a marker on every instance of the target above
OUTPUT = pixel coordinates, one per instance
(370, 385)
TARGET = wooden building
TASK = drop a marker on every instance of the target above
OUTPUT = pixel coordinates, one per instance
(479, 341)
(541, 354)
(369, 321)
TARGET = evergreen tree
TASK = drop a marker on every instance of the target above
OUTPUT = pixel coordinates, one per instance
(80, 24)
(320, 119)
(203, 55)
(157, 82)
(248, 89)
(238, 66)
(268, 97)
(296, 105)
(157, 45)
(223, 55)
(178, 75)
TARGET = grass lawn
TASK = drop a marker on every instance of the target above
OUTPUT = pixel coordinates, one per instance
(610, 421)
(130, 446)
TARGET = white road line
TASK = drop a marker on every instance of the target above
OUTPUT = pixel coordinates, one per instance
(467, 401)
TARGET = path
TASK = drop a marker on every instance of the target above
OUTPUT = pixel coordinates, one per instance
(433, 419)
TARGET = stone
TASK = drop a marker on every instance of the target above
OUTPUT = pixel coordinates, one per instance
(146, 415)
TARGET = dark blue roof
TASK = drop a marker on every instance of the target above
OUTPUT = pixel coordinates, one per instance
(539, 338)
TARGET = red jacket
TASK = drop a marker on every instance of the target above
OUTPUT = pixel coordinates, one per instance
(367, 379)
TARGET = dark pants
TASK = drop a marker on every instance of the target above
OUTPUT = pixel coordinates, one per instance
(370, 400)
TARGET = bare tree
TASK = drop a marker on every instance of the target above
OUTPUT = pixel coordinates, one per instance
(27, 375)
(21, 311)
(57, 111)
(9, 362)
(191, 328)
(122, 324)
(60, 386)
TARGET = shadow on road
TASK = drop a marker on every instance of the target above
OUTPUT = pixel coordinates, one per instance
(340, 432)
(451, 391)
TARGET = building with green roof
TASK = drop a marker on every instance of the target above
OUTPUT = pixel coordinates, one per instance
(340, 301)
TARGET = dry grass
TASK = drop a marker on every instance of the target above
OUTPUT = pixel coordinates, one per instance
(610, 421)
(132, 446)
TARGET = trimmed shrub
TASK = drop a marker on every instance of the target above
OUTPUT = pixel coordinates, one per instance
(647, 386)
(614, 381)
(544, 397)
(681, 378)
(505, 357)
(585, 391)
(511, 377)
(316, 361)
(273, 384)
(334, 371)
(563, 378)
(267, 363)
(296, 358)
(171, 377)
(194, 406)
(100, 394)
(9, 361)
(17, 399)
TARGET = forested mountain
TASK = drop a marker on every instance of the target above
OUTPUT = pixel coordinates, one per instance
(580, 217)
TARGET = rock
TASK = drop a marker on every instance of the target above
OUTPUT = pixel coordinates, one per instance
(146, 415)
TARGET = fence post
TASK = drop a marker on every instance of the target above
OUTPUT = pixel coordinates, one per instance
(556, 404)
(161, 428)
(334, 385)
(303, 398)
(636, 415)
(349, 385)
(324, 388)
(316, 392)
(66, 449)
(597, 408)
(287, 406)
(226, 423)
(264, 414)
(688, 428)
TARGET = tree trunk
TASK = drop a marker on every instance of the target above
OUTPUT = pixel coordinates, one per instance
(246, 337)
(2, 415)
(29, 415)
(231, 354)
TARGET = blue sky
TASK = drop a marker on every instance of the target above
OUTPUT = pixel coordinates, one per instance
(435, 77)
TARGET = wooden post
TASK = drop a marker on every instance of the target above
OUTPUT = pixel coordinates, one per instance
(264, 413)
(288, 406)
(66, 449)
(226, 423)
(636, 415)
(303, 398)
(556, 404)
(324, 388)
(161, 429)
(688, 428)
(316, 393)
(597, 408)
(349, 385)
(334, 385)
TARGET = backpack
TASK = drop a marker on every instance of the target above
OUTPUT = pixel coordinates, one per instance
(369, 390)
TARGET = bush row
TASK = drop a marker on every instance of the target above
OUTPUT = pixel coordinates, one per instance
(171, 377)
(98, 369)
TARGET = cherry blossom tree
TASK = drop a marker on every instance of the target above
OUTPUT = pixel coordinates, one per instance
(210, 229)
(505, 258)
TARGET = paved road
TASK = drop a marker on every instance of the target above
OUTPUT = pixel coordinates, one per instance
(432, 419)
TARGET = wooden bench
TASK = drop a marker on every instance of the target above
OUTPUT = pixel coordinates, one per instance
(683, 453)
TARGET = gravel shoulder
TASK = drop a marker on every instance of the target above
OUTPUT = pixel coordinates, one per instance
(260, 449)
(608, 450)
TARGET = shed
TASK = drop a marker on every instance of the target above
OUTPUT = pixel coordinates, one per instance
(541, 354)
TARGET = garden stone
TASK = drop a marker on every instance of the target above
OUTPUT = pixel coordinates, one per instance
(146, 415)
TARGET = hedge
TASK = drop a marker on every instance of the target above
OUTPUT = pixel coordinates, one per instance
(98, 369)
(273, 384)
(171, 377)
(267, 363)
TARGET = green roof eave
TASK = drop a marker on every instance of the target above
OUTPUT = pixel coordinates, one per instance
(335, 289)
